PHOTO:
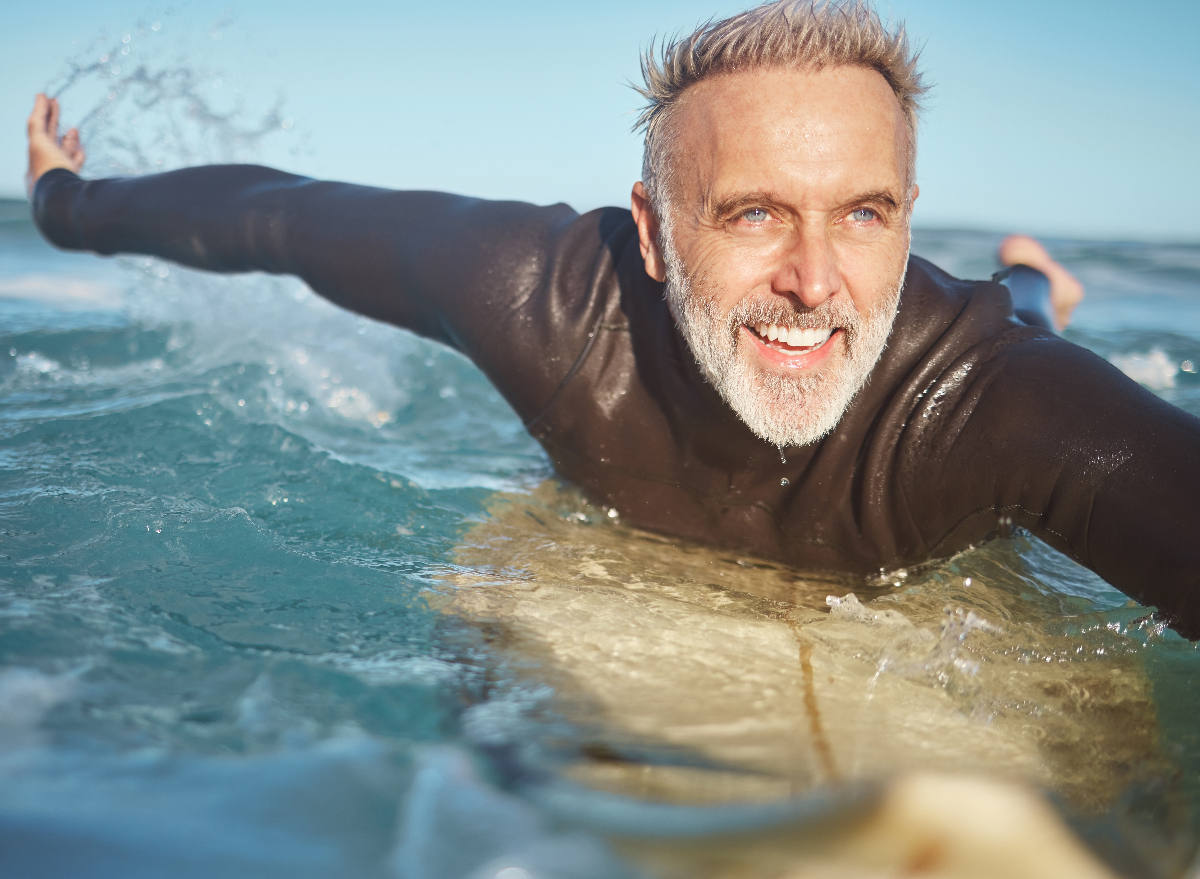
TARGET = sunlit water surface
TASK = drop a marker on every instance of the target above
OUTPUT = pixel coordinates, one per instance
(285, 592)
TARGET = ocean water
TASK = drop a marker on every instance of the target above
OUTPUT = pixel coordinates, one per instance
(287, 592)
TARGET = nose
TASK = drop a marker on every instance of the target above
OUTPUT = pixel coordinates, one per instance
(808, 269)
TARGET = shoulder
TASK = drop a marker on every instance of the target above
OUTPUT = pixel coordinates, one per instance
(966, 393)
(987, 401)
(564, 275)
(938, 309)
(958, 353)
(959, 341)
(944, 327)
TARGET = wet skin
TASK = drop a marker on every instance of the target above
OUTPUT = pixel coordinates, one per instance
(46, 149)
(787, 184)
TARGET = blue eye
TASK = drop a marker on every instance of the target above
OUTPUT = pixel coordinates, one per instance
(756, 215)
(862, 215)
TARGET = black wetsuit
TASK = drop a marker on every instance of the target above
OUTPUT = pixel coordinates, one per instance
(971, 420)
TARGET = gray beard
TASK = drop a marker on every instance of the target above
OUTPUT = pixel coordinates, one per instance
(785, 410)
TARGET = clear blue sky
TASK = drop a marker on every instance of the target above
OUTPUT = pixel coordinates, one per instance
(1079, 119)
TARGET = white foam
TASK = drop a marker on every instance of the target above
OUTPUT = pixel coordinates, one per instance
(852, 610)
(61, 291)
(1154, 369)
(26, 695)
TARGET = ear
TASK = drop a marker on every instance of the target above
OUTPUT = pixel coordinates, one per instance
(647, 223)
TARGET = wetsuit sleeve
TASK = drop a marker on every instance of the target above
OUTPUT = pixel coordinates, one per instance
(442, 265)
(1045, 435)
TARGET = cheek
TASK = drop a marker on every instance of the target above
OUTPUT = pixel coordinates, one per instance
(732, 270)
(871, 273)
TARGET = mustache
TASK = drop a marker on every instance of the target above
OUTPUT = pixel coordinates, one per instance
(834, 312)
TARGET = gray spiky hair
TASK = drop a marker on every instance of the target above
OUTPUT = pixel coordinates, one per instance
(787, 34)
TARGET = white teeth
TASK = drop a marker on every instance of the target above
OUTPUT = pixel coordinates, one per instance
(793, 336)
(806, 338)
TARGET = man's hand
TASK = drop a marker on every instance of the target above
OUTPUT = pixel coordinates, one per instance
(46, 150)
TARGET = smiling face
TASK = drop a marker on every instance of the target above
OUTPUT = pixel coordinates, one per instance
(787, 239)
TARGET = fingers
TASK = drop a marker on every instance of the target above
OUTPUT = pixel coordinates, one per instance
(43, 121)
(72, 146)
(52, 122)
(37, 119)
(46, 151)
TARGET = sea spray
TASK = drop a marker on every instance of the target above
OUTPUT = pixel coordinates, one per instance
(142, 106)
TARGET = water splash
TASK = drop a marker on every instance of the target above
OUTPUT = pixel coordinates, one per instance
(1154, 369)
(916, 652)
(151, 109)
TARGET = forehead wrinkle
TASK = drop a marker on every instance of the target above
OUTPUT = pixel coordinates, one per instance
(705, 129)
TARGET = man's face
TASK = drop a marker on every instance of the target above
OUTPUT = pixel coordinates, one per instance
(787, 239)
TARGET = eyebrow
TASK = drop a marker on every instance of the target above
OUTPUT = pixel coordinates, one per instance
(879, 196)
(735, 203)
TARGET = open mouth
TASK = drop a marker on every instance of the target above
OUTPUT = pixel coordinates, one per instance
(791, 340)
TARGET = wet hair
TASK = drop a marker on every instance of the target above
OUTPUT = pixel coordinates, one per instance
(806, 35)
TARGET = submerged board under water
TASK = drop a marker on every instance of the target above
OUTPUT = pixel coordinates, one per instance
(286, 592)
(297, 595)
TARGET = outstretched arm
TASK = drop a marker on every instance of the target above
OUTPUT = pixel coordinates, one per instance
(442, 265)
(510, 285)
(1039, 433)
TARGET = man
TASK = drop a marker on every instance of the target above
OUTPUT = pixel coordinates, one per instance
(751, 358)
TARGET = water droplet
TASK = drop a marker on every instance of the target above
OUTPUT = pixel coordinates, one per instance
(512, 873)
(125, 39)
(156, 26)
(784, 481)
(1188, 366)
(782, 456)
(967, 582)
(612, 513)
(241, 402)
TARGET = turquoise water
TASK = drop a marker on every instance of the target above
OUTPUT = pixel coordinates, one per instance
(284, 592)
(223, 506)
